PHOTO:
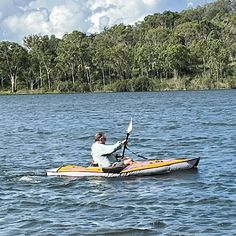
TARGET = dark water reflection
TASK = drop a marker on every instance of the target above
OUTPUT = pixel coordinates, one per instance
(45, 131)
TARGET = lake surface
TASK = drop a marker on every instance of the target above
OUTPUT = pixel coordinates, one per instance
(39, 132)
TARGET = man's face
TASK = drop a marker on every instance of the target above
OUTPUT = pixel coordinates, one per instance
(103, 139)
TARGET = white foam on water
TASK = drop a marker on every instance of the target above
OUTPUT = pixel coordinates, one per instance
(29, 179)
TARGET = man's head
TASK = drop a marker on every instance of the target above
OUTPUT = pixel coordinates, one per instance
(100, 137)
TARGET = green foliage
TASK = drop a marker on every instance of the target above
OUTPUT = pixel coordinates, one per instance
(13, 61)
(193, 49)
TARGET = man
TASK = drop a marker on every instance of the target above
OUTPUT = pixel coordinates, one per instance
(104, 155)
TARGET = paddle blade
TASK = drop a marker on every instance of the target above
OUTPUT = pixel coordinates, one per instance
(130, 127)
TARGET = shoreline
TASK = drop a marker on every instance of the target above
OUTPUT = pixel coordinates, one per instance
(9, 93)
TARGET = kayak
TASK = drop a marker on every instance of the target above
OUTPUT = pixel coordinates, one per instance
(138, 168)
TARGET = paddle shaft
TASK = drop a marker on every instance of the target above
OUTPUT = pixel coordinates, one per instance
(145, 158)
(125, 145)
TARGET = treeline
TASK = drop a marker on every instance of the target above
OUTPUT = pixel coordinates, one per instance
(193, 49)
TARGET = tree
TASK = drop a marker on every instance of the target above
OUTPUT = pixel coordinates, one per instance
(146, 57)
(73, 57)
(217, 58)
(13, 58)
(166, 20)
(42, 50)
(175, 58)
(113, 53)
(188, 31)
(101, 59)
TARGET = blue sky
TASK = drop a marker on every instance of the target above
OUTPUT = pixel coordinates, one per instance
(19, 18)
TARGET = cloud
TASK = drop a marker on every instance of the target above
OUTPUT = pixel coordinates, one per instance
(110, 12)
(68, 17)
(20, 18)
(41, 17)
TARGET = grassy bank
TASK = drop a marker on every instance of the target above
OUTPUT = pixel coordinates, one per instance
(139, 85)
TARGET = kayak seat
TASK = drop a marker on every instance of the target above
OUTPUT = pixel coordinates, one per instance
(116, 169)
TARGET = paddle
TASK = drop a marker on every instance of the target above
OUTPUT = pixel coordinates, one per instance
(129, 129)
(145, 158)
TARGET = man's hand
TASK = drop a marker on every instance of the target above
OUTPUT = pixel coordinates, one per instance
(124, 142)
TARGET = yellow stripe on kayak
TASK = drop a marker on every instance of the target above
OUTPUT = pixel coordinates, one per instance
(74, 168)
(152, 164)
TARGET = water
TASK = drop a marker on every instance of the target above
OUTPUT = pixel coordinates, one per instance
(39, 132)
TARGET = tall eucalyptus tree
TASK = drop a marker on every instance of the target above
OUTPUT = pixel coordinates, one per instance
(43, 51)
(73, 57)
(13, 60)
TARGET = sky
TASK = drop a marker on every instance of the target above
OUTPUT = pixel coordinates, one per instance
(20, 18)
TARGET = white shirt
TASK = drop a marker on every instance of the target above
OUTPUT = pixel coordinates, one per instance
(103, 154)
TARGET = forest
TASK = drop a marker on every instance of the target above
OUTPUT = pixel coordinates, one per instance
(190, 50)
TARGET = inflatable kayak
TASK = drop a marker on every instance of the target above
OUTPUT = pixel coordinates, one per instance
(138, 168)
